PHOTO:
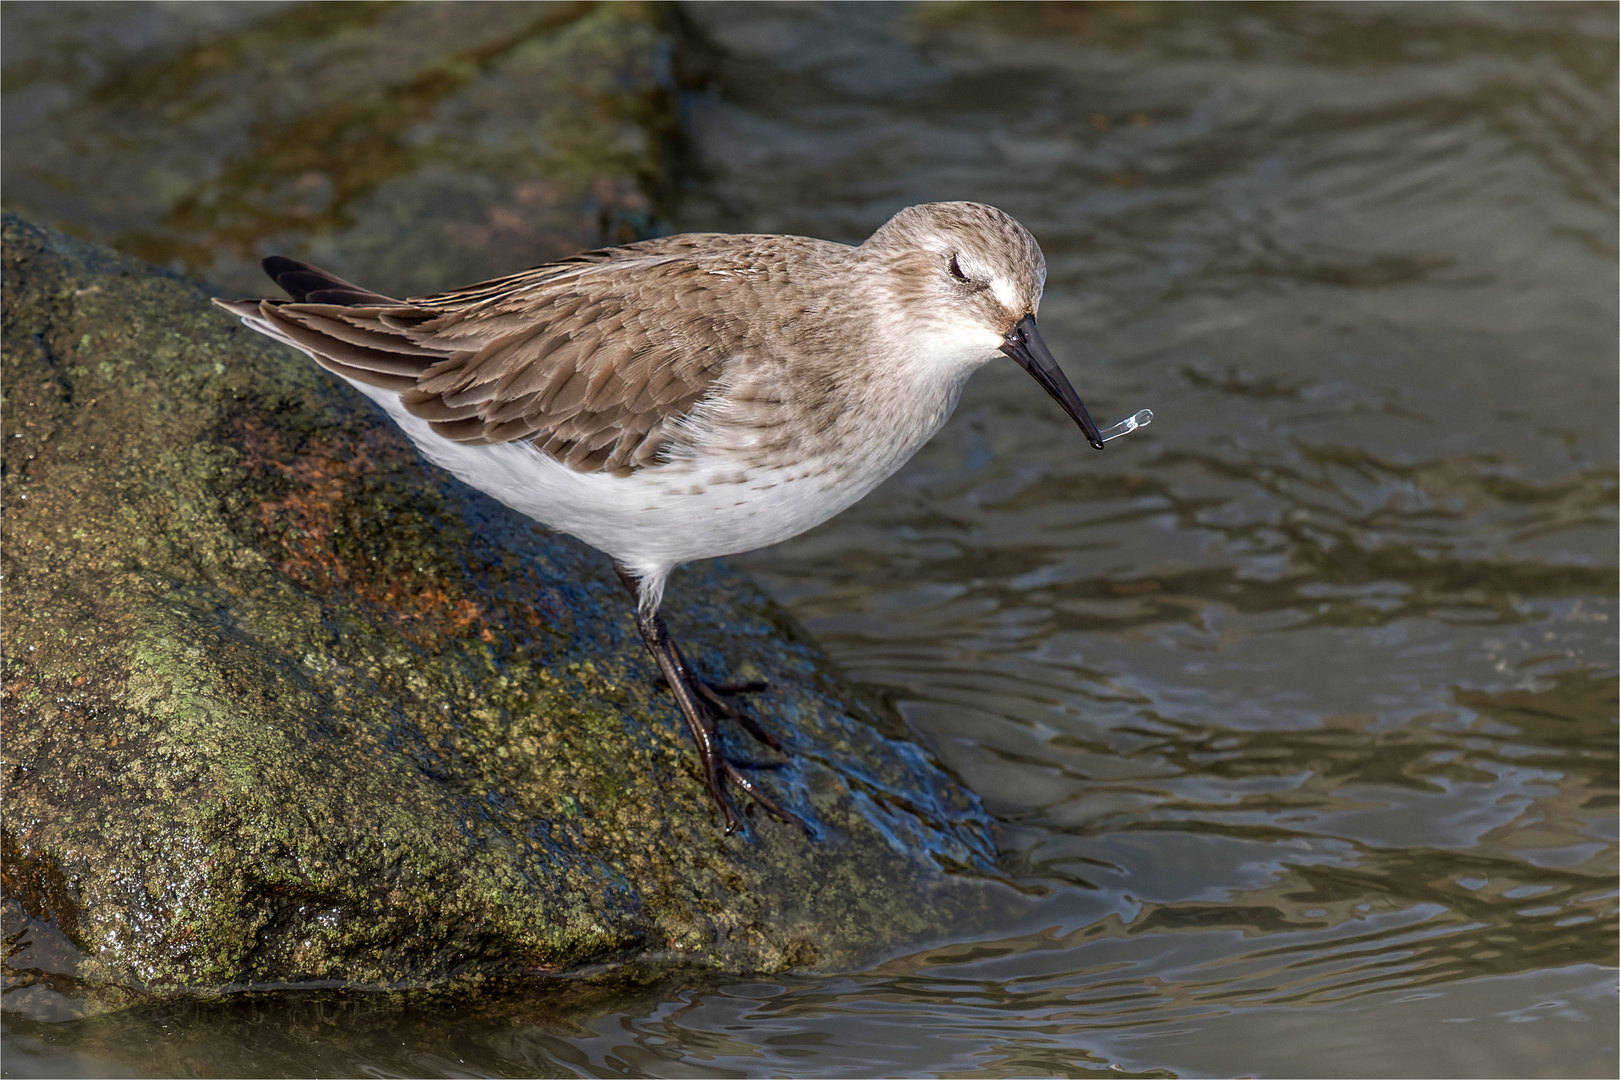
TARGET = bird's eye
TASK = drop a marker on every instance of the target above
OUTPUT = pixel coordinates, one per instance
(956, 271)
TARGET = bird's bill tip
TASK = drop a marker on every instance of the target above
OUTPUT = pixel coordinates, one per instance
(1024, 344)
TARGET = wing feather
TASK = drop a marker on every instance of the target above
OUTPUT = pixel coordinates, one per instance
(595, 360)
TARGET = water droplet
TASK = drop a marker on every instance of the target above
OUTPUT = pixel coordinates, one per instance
(1128, 425)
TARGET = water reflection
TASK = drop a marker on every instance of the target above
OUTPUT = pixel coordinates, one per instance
(1299, 705)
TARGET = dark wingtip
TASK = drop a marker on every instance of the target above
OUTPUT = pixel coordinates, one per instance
(275, 264)
(310, 284)
(292, 277)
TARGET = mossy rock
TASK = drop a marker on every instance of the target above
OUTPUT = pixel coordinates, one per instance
(285, 704)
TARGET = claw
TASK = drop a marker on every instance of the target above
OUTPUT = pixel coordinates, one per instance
(786, 817)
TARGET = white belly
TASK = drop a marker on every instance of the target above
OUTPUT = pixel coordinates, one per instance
(653, 519)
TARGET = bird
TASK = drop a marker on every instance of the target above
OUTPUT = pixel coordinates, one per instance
(690, 396)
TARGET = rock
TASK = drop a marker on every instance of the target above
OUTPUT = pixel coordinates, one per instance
(283, 703)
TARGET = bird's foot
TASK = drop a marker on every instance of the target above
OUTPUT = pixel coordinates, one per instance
(701, 703)
(709, 702)
(712, 696)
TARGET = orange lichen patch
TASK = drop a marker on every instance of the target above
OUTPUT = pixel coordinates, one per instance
(306, 524)
(424, 606)
(315, 535)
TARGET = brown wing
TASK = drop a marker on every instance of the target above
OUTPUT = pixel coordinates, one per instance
(594, 359)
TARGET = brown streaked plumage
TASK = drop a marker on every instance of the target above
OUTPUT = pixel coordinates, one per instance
(689, 396)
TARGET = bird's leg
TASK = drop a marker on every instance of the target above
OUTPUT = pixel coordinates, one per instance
(698, 719)
(703, 688)
(691, 694)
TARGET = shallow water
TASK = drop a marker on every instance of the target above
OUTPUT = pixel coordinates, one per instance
(1298, 705)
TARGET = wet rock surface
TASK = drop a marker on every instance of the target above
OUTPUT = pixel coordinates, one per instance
(282, 703)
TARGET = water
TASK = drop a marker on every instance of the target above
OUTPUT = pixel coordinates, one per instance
(1139, 419)
(1298, 706)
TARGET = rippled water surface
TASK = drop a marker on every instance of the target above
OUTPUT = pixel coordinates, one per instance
(1299, 705)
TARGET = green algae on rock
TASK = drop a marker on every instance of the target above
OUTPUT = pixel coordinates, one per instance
(284, 704)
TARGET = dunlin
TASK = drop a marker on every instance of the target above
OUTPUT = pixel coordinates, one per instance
(689, 396)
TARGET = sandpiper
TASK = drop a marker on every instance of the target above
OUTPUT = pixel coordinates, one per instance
(689, 396)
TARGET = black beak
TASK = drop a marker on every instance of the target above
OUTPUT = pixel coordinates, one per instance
(1024, 345)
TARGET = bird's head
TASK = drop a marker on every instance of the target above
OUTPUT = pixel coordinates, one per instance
(967, 279)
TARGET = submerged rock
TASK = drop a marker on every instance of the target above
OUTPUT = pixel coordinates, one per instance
(282, 703)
